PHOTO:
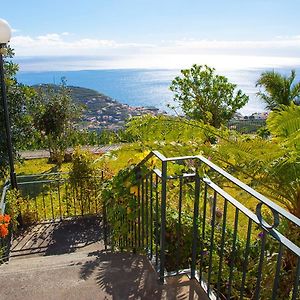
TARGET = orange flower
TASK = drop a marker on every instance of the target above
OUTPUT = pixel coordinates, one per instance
(6, 218)
(3, 231)
(4, 222)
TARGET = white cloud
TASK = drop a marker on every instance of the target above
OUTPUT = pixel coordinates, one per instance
(277, 52)
(58, 44)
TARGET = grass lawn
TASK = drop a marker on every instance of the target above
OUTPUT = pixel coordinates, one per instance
(46, 197)
(39, 166)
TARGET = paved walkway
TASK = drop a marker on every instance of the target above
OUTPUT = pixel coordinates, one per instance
(31, 154)
(74, 265)
(90, 275)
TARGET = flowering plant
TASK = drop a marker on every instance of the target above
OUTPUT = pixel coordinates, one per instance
(4, 222)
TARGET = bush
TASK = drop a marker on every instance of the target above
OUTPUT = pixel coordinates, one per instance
(84, 178)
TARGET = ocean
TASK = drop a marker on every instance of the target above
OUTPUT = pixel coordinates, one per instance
(144, 87)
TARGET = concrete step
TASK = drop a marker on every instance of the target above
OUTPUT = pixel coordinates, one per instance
(59, 237)
(67, 260)
(34, 263)
(90, 275)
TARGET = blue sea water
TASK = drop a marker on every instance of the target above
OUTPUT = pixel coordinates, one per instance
(143, 87)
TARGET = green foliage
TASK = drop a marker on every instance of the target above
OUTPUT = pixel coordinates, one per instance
(285, 126)
(150, 128)
(269, 165)
(19, 98)
(120, 202)
(278, 89)
(173, 136)
(54, 117)
(83, 166)
(112, 137)
(84, 178)
(122, 195)
(15, 203)
(263, 132)
(205, 96)
(13, 200)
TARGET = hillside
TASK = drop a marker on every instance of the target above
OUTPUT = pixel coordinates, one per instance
(101, 111)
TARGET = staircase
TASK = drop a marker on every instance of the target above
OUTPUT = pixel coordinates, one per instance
(54, 261)
(191, 245)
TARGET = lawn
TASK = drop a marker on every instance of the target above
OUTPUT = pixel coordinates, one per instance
(39, 166)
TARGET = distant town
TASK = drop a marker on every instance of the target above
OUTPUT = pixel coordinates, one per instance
(101, 112)
(254, 116)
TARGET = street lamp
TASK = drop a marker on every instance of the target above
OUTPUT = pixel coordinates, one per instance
(5, 35)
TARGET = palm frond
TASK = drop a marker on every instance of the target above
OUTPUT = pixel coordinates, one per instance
(285, 122)
(278, 89)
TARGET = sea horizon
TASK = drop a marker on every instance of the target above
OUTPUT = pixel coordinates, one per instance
(146, 86)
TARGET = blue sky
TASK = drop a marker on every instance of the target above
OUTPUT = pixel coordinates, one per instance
(144, 33)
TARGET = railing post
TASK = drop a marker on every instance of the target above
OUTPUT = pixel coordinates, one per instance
(195, 225)
(163, 221)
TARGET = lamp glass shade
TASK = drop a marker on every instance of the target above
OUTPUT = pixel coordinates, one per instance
(5, 32)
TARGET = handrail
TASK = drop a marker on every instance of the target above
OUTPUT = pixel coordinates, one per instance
(2, 201)
(251, 191)
(273, 206)
(286, 242)
(146, 227)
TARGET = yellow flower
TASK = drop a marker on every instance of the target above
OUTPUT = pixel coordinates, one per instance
(134, 190)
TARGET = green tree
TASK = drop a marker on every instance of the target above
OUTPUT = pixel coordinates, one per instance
(205, 96)
(19, 99)
(278, 89)
(271, 165)
(55, 117)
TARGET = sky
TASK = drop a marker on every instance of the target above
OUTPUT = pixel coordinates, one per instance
(111, 34)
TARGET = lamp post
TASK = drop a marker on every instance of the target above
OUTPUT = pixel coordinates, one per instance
(5, 35)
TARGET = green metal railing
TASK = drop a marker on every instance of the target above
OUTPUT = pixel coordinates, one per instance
(234, 251)
(190, 217)
(55, 196)
(50, 197)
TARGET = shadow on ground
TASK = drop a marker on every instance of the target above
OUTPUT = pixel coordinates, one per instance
(60, 237)
(90, 273)
(130, 276)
